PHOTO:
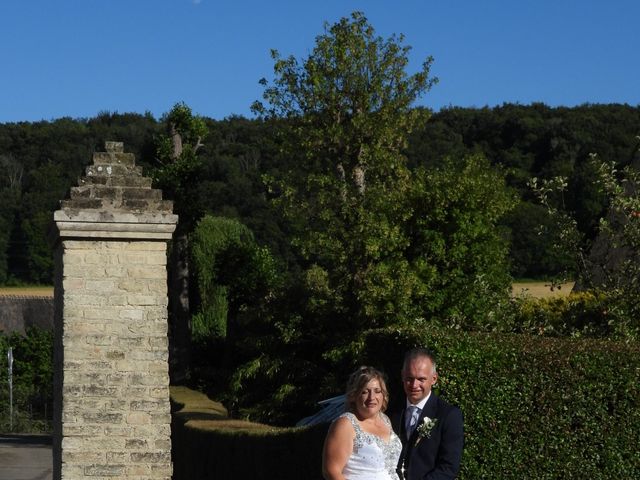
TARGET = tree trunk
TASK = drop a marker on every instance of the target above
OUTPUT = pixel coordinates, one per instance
(179, 315)
(176, 139)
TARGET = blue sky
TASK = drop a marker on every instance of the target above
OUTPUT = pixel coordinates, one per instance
(77, 58)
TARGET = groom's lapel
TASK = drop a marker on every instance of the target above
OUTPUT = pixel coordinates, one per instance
(430, 410)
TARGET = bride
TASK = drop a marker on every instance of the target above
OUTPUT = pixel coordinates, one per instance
(361, 444)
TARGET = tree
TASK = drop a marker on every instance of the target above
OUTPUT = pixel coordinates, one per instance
(346, 114)
(457, 249)
(47, 184)
(10, 190)
(179, 163)
(349, 107)
(233, 273)
(609, 264)
(177, 153)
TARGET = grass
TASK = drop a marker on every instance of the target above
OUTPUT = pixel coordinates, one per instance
(541, 289)
(535, 289)
(196, 410)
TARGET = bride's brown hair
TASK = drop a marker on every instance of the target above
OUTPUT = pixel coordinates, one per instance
(358, 380)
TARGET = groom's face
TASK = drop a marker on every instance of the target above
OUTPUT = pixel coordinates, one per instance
(418, 377)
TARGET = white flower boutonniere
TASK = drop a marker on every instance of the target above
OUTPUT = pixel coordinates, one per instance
(425, 428)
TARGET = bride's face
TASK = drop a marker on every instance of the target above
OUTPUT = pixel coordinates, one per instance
(370, 399)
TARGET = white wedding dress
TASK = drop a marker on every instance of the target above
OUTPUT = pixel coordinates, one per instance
(372, 458)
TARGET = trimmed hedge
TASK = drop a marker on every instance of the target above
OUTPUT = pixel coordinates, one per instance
(539, 408)
(535, 407)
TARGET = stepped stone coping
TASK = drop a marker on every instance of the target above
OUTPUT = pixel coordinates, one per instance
(115, 201)
(112, 170)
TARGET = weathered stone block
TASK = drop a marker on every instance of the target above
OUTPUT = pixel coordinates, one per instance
(100, 417)
(151, 457)
(136, 444)
(97, 470)
(139, 418)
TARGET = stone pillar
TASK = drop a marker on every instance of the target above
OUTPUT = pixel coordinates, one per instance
(111, 401)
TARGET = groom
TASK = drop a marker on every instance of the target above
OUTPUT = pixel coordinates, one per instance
(430, 429)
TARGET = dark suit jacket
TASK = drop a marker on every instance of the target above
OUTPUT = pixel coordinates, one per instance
(437, 457)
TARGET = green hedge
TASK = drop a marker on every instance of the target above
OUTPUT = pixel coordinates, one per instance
(539, 408)
(534, 407)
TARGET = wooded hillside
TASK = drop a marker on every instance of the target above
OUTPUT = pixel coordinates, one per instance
(42, 160)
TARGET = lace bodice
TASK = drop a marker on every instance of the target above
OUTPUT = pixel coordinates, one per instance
(372, 458)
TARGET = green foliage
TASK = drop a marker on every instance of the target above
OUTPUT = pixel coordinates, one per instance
(583, 314)
(39, 162)
(536, 141)
(611, 262)
(177, 153)
(351, 95)
(349, 106)
(232, 272)
(532, 244)
(527, 140)
(237, 279)
(456, 248)
(8, 208)
(346, 113)
(32, 381)
(210, 322)
(47, 186)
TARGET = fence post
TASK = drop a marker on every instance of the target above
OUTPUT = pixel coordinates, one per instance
(10, 366)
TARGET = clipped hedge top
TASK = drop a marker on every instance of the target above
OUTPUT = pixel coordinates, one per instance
(185, 402)
(197, 411)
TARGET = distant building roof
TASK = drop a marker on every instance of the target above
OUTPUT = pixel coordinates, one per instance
(331, 409)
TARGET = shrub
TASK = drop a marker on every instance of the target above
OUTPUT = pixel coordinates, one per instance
(594, 314)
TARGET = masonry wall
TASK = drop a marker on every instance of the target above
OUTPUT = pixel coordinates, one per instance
(116, 412)
(111, 381)
(17, 313)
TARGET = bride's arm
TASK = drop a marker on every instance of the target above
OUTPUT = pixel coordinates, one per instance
(337, 448)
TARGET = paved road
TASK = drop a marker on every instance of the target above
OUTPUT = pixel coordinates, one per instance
(25, 457)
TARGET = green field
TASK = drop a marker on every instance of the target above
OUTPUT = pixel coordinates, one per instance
(533, 289)
(541, 289)
(27, 291)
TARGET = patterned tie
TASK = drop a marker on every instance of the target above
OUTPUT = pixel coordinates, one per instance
(410, 419)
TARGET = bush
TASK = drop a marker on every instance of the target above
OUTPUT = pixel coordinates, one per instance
(594, 314)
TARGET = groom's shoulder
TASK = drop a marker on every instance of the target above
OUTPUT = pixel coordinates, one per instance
(445, 408)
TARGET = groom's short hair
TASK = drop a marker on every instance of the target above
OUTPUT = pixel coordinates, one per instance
(419, 352)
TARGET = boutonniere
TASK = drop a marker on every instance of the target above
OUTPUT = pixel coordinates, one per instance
(425, 428)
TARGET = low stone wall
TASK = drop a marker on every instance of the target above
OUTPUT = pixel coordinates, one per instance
(17, 313)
